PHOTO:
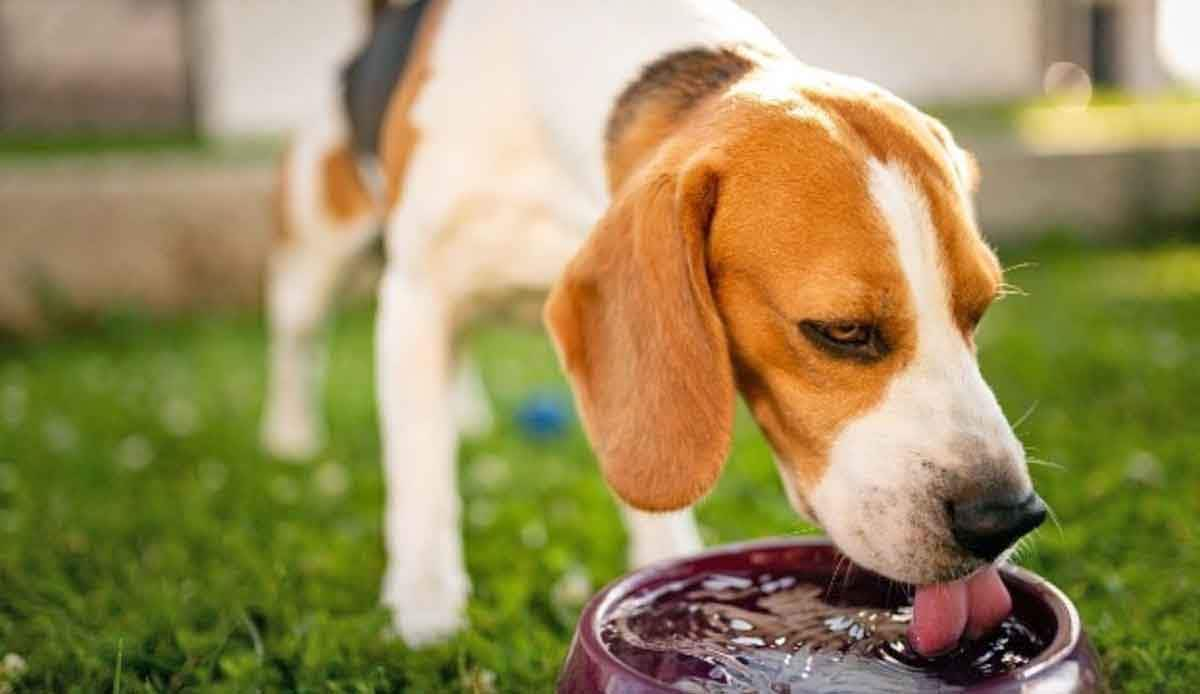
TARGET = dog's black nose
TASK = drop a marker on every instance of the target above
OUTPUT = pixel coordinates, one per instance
(987, 526)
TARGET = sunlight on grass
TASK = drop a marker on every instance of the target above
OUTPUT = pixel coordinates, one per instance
(1105, 127)
(1110, 120)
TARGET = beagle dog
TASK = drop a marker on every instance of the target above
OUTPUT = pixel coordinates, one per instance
(710, 217)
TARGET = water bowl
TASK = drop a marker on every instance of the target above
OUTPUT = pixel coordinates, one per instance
(792, 615)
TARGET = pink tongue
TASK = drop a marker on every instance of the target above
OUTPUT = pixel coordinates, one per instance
(942, 612)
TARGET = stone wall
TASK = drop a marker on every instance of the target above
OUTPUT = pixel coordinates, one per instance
(1094, 193)
(67, 65)
(166, 237)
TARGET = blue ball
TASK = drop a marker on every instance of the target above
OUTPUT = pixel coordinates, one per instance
(544, 415)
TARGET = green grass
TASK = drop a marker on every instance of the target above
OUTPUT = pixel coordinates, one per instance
(30, 148)
(147, 545)
(84, 143)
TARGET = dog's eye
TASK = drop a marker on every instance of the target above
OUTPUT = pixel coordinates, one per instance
(847, 333)
(845, 339)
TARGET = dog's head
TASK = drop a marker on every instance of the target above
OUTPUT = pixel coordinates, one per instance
(811, 243)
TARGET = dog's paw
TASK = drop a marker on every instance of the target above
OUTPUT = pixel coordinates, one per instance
(428, 610)
(426, 626)
(288, 438)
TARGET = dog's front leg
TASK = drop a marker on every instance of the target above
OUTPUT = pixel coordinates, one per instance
(657, 536)
(425, 585)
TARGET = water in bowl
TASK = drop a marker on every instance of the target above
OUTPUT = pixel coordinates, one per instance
(775, 633)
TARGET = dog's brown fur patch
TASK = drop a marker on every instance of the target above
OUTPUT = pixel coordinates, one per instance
(796, 237)
(891, 131)
(346, 198)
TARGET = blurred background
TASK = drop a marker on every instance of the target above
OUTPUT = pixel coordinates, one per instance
(145, 539)
(162, 118)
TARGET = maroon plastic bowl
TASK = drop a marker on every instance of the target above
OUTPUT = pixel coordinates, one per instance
(1068, 664)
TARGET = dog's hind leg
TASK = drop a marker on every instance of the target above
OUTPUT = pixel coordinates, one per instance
(326, 217)
(472, 411)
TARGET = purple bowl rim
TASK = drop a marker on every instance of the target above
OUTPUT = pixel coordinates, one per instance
(1065, 642)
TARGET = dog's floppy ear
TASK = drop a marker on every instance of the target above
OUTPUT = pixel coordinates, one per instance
(966, 167)
(638, 333)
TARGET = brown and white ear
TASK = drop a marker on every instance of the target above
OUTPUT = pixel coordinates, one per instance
(965, 164)
(638, 333)
(968, 168)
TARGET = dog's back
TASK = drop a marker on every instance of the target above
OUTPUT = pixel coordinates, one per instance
(577, 56)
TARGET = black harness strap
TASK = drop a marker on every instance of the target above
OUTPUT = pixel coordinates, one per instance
(371, 76)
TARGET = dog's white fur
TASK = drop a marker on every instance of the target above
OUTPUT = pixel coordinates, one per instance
(495, 206)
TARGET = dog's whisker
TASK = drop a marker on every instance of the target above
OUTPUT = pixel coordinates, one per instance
(1014, 554)
(833, 576)
(904, 588)
(846, 577)
(1045, 463)
(1054, 517)
(843, 563)
(1006, 289)
(1021, 266)
(836, 569)
(1029, 411)
(1022, 550)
